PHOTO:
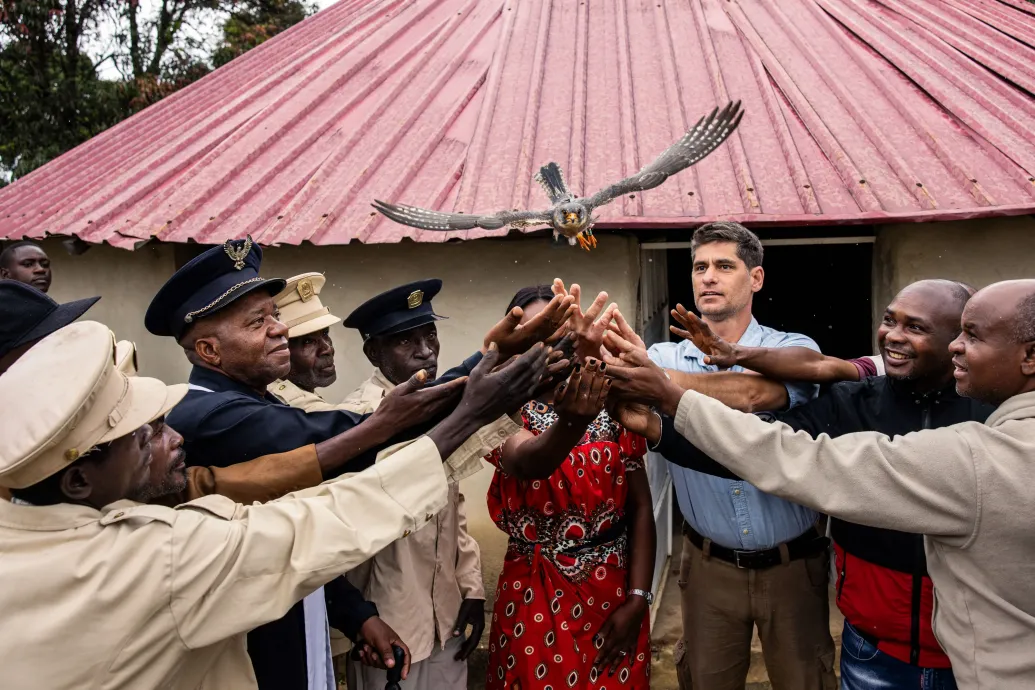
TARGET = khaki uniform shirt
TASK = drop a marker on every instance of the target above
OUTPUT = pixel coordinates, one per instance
(417, 583)
(966, 487)
(145, 596)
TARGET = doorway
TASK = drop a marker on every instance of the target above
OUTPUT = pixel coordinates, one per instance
(816, 287)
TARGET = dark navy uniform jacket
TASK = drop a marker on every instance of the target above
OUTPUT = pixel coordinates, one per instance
(224, 422)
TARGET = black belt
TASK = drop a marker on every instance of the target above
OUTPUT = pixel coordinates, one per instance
(811, 543)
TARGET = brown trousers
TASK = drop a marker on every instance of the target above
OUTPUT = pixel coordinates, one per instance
(721, 606)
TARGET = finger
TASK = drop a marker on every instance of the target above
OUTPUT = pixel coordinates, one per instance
(444, 390)
(383, 648)
(558, 287)
(592, 364)
(685, 335)
(616, 343)
(611, 359)
(406, 657)
(468, 647)
(623, 325)
(576, 293)
(608, 647)
(599, 381)
(489, 360)
(597, 307)
(570, 387)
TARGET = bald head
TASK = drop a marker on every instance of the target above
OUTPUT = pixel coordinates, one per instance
(994, 357)
(916, 330)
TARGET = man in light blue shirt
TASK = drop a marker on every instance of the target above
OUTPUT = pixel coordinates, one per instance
(748, 558)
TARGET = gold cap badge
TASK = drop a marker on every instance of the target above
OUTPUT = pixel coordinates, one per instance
(305, 289)
(415, 299)
(238, 254)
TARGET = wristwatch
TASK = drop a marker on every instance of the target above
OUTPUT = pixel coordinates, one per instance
(646, 595)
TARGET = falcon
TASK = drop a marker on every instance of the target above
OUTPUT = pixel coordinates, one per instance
(572, 216)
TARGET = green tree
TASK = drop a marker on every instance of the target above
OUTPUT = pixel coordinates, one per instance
(254, 22)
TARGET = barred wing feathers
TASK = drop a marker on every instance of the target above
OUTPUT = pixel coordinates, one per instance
(417, 217)
(703, 138)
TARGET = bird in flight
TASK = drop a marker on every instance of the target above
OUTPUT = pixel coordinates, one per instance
(571, 216)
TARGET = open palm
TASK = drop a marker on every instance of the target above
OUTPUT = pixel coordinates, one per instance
(717, 351)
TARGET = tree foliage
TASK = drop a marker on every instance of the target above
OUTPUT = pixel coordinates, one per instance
(52, 52)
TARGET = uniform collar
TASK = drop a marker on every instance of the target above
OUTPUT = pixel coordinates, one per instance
(218, 382)
(752, 338)
(54, 518)
(379, 380)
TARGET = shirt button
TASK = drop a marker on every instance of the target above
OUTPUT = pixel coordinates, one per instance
(736, 492)
(282, 386)
(406, 533)
(502, 433)
(746, 531)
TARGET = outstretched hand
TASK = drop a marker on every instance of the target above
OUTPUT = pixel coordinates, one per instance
(636, 378)
(581, 398)
(493, 390)
(410, 403)
(591, 325)
(716, 350)
(513, 337)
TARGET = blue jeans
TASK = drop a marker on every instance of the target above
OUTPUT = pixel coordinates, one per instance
(864, 667)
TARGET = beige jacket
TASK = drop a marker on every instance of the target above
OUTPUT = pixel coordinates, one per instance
(967, 487)
(145, 596)
(418, 583)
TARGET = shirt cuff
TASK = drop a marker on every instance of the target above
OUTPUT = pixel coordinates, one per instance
(467, 459)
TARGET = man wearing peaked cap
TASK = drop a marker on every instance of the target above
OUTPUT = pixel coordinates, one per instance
(309, 341)
(154, 596)
(230, 331)
(427, 586)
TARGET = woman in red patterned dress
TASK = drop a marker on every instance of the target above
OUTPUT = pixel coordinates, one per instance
(571, 492)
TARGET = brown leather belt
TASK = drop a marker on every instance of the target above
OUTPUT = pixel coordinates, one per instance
(811, 543)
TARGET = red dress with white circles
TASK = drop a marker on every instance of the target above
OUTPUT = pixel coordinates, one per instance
(566, 567)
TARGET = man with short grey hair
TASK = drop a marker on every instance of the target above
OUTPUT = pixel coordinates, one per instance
(749, 558)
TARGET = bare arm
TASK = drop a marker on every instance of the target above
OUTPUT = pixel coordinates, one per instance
(795, 364)
(780, 363)
(741, 391)
(527, 456)
(643, 537)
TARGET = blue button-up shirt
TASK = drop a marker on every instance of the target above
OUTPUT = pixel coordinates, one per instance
(733, 513)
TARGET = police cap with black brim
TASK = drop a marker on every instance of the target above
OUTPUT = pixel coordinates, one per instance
(208, 283)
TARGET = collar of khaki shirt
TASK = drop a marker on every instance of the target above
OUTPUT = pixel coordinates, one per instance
(55, 518)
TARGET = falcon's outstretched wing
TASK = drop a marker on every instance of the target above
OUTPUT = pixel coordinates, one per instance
(703, 138)
(436, 220)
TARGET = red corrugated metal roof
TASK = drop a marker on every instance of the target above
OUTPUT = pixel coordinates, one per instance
(857, 111)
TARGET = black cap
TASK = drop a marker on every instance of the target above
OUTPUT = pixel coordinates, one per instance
(397, 310)
(206, 284)
(26, 314)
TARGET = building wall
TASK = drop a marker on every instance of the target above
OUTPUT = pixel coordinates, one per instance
(978, 252)
(480, 279)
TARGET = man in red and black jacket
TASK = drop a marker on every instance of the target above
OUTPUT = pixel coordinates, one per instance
(883, 588)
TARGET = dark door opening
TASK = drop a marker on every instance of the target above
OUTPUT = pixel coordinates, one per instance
(821, 290)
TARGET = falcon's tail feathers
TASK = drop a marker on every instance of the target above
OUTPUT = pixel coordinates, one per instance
(552, 180)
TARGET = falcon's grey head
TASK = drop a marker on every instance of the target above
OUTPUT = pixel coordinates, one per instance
(570, 216)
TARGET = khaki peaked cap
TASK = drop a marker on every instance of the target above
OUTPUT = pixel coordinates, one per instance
(64, 397)
(300, 307)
